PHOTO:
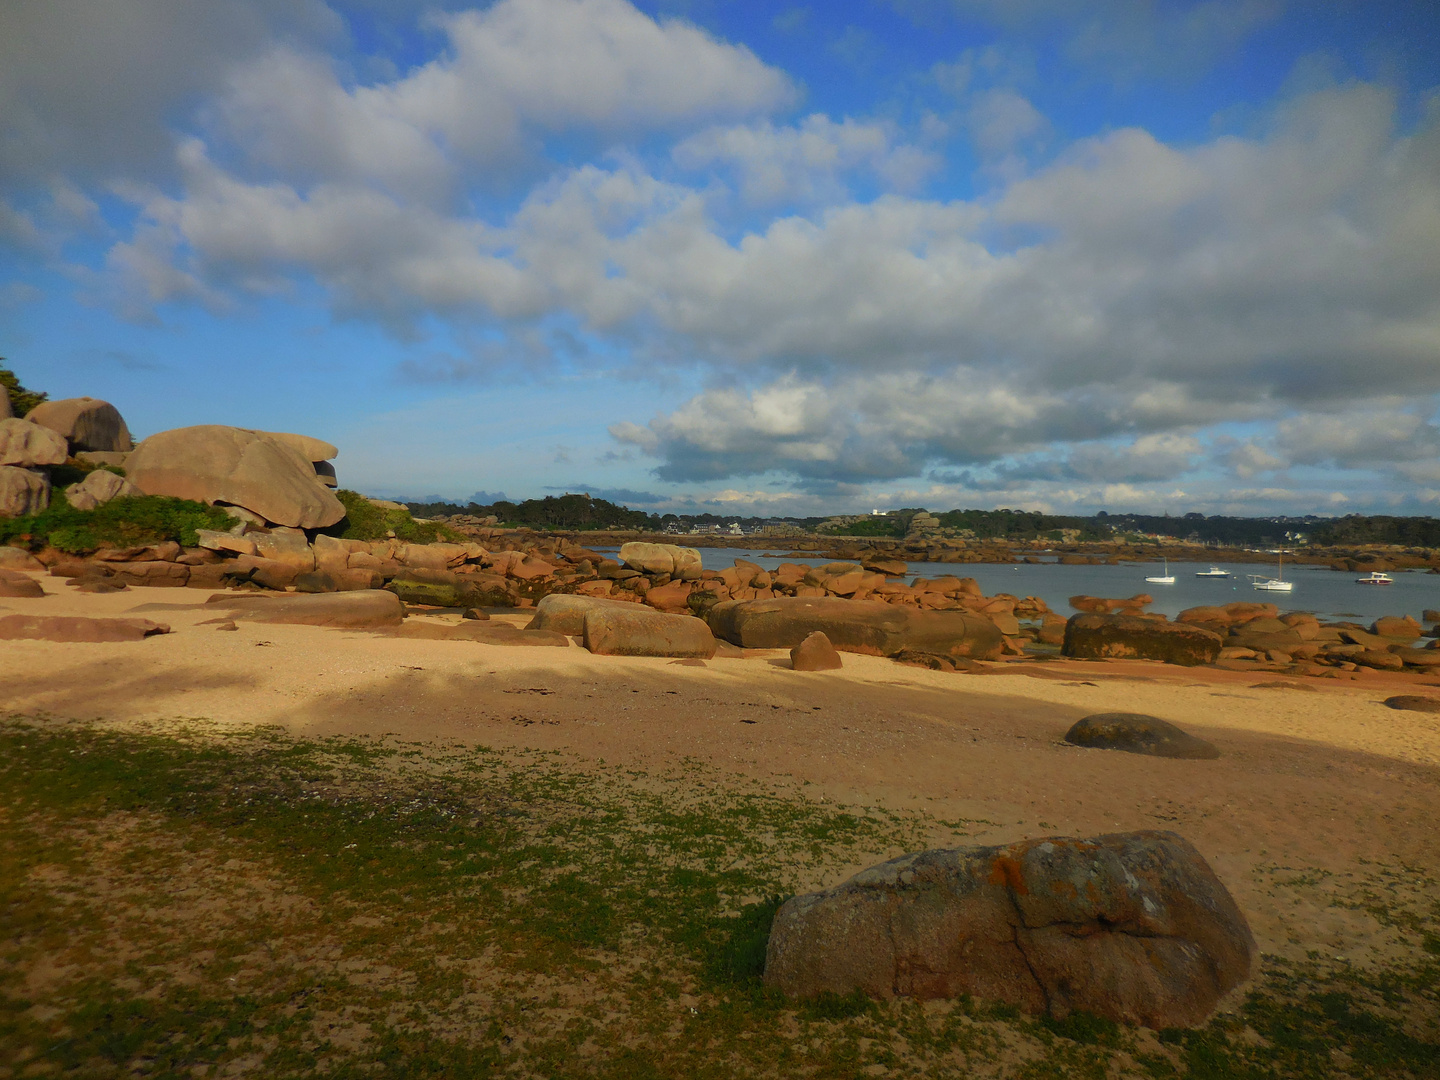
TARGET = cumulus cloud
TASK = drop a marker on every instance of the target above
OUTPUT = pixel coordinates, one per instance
(516, 71)
(806, 162)
(91, 87)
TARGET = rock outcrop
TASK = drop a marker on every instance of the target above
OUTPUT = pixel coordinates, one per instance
(216, 464)
(375, 609)
(86, 424)
(682, 563)
(565, 614)
(1136, 733)
(27, 445)
(1130, 637)
(861, 626)
(1134, 927)
(20, 586)
(23, 492)
(815, 653)
(97, 489)
(631, 630)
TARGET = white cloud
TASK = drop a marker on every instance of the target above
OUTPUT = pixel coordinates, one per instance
(806, 162)
(514, 72)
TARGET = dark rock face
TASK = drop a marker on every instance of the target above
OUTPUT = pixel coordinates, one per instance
(1414, 703)
(860, 626)
(1136, 733)
(1129, 637)
(1135, 927)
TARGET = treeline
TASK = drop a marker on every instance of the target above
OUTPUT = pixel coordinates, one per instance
(1356, 529)
(578, 512)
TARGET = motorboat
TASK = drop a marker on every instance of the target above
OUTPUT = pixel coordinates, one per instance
(1167, 579)
(1274, 584)
(1375, 577)
(1214, 571)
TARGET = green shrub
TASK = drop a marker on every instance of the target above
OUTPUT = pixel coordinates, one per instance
(364, 520)
(122, 522)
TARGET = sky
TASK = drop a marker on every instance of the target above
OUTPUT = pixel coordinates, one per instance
(748, 258)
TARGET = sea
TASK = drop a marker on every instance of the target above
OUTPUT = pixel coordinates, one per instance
(1326, 593)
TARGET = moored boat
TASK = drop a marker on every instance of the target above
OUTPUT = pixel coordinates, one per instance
(1375, 577)
(1214, 571)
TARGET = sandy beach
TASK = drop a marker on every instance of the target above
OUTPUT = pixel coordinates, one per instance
(1317, 779)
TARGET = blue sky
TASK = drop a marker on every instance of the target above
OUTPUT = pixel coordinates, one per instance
(744, 257)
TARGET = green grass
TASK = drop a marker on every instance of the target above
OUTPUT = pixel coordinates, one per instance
(364, 520)
(123, 522)
(201, 903)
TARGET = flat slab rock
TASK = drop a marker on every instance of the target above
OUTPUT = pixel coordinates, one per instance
(1136, 733)
(69, 628)
(1135, 927)
(1414, 703)
(368, 610)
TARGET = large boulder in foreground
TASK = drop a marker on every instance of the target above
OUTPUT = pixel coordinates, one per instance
(859, 626)
(678, 562)
(1135, 927)
(217, 464)
(1136, 733)
(369, 610)
(1130, 637)
(76, 629)
(638, 631)
(86, 423)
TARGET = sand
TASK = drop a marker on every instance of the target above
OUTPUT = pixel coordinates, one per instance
(1317, 791)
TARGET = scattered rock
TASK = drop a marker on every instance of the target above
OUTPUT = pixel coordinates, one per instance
(861, 626)
(888, 567)
(85, 423)
(475, 613)
(631, 630)
(1136, 733)
(1397, 626)
(815, 653)
(1134, 927)
(213, 540)
(682, 563)
(1132, 637)
(216, 464)
(97, 489)
(76, 629)
(228, 624)
(1101, 606)
(689, 661)
(1378, 659)
(13, 558)
(1414, 703)
(342, 610)
(27, 445)
(19, 586)
(565, 614)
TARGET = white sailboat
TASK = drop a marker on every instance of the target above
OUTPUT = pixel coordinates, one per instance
(1275, 584)
(1168, 579)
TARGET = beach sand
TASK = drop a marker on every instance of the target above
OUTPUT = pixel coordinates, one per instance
(1319, 789)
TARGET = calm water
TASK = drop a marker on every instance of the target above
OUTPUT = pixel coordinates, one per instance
(1327, 593)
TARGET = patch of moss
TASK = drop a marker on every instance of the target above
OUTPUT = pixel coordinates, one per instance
(364, 520)
(122, 522)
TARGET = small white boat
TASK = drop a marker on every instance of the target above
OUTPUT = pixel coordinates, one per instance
(1214, 571)
(1168, 579)
(1274, 584)
(1375, 577)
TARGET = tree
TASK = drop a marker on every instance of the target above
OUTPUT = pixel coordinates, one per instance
(21, 399)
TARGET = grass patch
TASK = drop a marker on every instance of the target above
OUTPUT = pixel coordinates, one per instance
(364, 520)
(120, 523)
(197, 903)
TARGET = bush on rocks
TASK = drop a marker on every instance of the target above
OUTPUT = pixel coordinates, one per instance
(122, 522)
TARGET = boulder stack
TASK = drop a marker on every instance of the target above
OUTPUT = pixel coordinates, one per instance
(85, 423)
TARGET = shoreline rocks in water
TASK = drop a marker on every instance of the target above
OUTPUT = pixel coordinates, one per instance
(1134, 927)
